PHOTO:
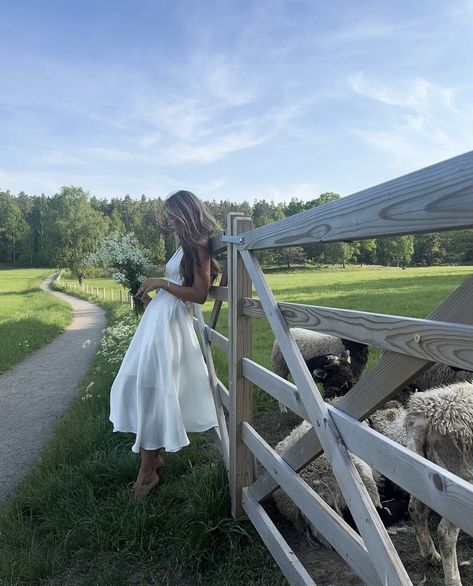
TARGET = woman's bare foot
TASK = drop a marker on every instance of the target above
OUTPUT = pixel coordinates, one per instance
(141, 489)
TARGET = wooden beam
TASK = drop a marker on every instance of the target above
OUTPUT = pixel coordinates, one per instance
(432, 199)
(391, 374)
(340, 535)
(436, 341)
(441, 490)
(286, 559)
(274, 385)
(219, 293)
(239, 328)
(385, 557)
(218, 339)
(223, 431)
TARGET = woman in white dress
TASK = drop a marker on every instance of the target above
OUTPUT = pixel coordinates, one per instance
(162, 389)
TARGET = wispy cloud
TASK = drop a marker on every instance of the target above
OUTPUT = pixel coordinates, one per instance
(421, 121)
(418, 94)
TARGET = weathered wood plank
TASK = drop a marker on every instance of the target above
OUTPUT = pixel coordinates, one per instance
(340, 535)
(218, 302)
(391, 374)
(432, 199)
(286, 559)
(223, 431)
(436, 341)
(224, 394)
(219, 293)
(444, 492)
(216, 245)
(274, 385)
(385, 557)
(218, 339)
(239, 328)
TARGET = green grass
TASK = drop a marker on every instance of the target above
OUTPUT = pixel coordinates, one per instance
(74, 521)
(29, 317)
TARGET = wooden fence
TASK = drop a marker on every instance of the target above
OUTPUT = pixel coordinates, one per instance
(436, 198)
(116, 294)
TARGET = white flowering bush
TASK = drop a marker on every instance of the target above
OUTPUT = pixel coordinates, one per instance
(116, 339)
(122, 256)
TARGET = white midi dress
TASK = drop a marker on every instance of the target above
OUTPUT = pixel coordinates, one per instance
(162, 389)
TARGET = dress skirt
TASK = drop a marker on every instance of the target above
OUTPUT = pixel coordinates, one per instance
(162, 389)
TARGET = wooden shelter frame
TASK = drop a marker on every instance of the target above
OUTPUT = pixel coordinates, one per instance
(437, 198)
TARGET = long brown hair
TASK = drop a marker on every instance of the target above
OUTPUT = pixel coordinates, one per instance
(197, 223)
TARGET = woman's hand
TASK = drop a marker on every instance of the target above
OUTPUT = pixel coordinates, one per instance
(149, 285)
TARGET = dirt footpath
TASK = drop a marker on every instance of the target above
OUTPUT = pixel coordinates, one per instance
(35, 393)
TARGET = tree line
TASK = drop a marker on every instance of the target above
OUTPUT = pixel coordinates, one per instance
(61, 230)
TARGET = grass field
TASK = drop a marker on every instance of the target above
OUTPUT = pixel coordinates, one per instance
(29, 317)
(74, 521)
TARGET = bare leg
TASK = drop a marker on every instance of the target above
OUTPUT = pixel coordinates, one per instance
(448, 534)
(151, 460)
(419, 514)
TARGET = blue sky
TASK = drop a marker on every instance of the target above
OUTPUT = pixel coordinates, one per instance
(231, 98)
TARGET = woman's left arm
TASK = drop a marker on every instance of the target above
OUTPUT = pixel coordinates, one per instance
(198, 292)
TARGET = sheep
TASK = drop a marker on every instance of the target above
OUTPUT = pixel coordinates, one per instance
(319, 476)
(313, 343)
(439, 426)
(441, 375)
(353, 357)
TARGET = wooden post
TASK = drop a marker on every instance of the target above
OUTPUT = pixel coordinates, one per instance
(104, 292)
(239, 327)
(111, 294)
(121, 295)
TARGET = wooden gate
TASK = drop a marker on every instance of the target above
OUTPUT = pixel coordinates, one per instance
(433, 199)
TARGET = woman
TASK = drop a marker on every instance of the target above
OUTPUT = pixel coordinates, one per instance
(162, 389)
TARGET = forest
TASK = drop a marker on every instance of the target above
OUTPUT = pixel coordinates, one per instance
(59, 231)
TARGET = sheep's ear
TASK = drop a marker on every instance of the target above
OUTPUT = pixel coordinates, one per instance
(320, 373)
(345, 357)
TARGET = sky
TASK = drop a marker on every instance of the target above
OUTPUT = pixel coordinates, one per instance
(232, 99)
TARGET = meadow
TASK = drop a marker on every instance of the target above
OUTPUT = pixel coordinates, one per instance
(29, 317)
(74, 520)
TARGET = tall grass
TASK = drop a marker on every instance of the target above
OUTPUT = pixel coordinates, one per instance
(29, 317)
(74, 520)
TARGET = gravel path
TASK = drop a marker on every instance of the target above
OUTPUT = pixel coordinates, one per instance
(35, 393)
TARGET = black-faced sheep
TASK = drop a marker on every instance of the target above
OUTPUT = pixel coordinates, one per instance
(314, 343)
(352, 360)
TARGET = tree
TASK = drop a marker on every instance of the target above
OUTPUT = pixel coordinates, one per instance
(342, 252)
(291, 255)
(78, 227)
(13, 226)
(428, 249)
(397, 251)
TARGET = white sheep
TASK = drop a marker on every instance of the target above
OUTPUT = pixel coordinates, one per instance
(319, 476)
(439, 426)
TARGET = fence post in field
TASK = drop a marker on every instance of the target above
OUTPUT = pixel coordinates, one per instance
(104, 292)
(111, 294)
(239, 326)
(121, 295)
